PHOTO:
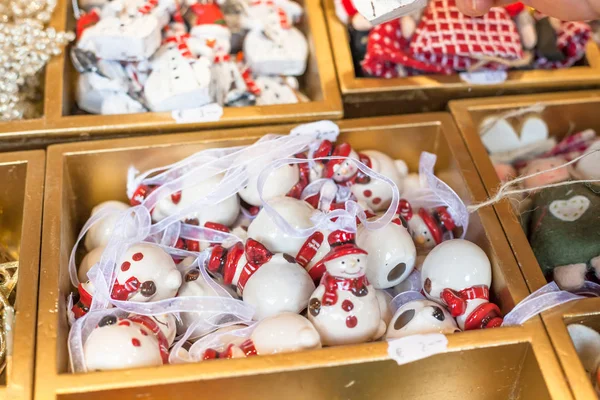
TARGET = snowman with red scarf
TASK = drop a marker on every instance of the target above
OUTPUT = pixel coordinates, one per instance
(344, 308)
(427, 228)
(457, 273)
(375, 193)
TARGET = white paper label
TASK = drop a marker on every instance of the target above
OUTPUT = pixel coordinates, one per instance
(208, 113)
(324, 130)
(416, 347)
(380, 11)
(484, 77)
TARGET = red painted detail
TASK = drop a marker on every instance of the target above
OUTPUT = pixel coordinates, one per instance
(124, 323)
(347, 305)
(377, 200)
(137, 257)
(368, 193)
(351, 321)
(125, 266)
(136, 342)
(176, 197)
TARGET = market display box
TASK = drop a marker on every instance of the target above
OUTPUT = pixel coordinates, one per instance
(21, 194)
(365, 97)
(60, 124)
(508, 362)
(564, 113)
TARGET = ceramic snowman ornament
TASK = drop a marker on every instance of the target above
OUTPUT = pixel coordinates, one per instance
(208, 24)
(309, 251)
(122, 38)
(428, 229)
(344, 308)
(106, 92)
(272, 283)
(373, 192)
(587, 344)
(278, 90)
(458, 274)
(420, 316)
(391, 254)
(121, 343)
(99, 233)
(259, 13)
(278, 183)
(178, 82)
(224, 213)
(145, 273)
(160, 9)
(228, 85)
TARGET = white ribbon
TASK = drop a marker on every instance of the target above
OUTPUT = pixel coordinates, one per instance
(404, 298)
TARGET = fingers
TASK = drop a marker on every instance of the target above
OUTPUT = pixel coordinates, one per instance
(568, 10)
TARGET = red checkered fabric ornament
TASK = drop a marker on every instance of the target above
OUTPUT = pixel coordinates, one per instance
(572, 39)
(448, 38)
(388, 53)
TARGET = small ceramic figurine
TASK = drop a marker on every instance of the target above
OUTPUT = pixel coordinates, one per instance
(278, 183)
(587, 344)
(277, 90)
(458, 274)
(373, 192)
(283, 53)
(391, 254)
(428, 228)
(307, 251)
(145, 273)
(344, 308)
(272, 283)
(90, 259)
(99, 233)
(122, 343)
(420, 317)
(224, 212)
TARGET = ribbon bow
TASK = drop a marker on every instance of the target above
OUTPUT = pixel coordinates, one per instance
(457, 300)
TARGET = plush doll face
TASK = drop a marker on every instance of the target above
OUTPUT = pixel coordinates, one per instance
(558, 175)
(350, 266)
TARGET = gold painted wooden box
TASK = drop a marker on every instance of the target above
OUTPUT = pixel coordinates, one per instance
(21, 195)
(59, 125)
(564, 113)
(366, 97)
(502, 363)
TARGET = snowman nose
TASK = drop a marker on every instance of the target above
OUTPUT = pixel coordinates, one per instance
(420, 239)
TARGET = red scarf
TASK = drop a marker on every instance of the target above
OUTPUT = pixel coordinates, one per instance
(122, 292)
(333, 283)
(457, 301)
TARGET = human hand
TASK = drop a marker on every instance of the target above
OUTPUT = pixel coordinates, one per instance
(568, 10)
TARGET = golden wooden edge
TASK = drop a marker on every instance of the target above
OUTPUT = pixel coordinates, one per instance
(50, 384)
(543, 80)
(553, 319)
(58, 128)
(19, 383)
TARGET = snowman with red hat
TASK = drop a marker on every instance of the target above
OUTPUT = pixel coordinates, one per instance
(208, 25)
(428, 229)
(344, 308)
(375, 193)
(271, 282)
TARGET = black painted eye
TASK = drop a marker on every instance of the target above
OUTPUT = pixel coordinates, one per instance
(438, 313)
(358, 260)
(289, 258)
(148, 289)
(107, 320)
(343, 262)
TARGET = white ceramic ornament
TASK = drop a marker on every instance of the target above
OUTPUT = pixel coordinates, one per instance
(167, 325)
(159, 9)
(420, 317)
(122, 343)
(392, 254)
(385, 305)
(176, 83)
(344, 308)
(275, 90)
(284, 333)
(587, 344)
(99, 233)
(224, 212)
(458, 274)
(106, 93)
(123, 39)
(228, 86)
(145, 272)
(428, 228)
(285, 56)
(272, 283)
(90, 259)
(307, 251)
(278, 183)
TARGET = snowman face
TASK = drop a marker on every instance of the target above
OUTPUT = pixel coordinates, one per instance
(349, 266)
(419, 317)
(146, 273)
(167, 325)
(344, 170)
(118, 343)
(420, 233)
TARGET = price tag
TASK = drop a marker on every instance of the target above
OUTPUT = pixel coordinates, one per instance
(379, 11)
(484, 77)
(321, 130)
(208, 113)
(416, 347)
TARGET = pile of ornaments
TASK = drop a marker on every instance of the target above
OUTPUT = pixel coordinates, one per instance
(328, 287)
(439, 39)
(164, 55)
(560, 221)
